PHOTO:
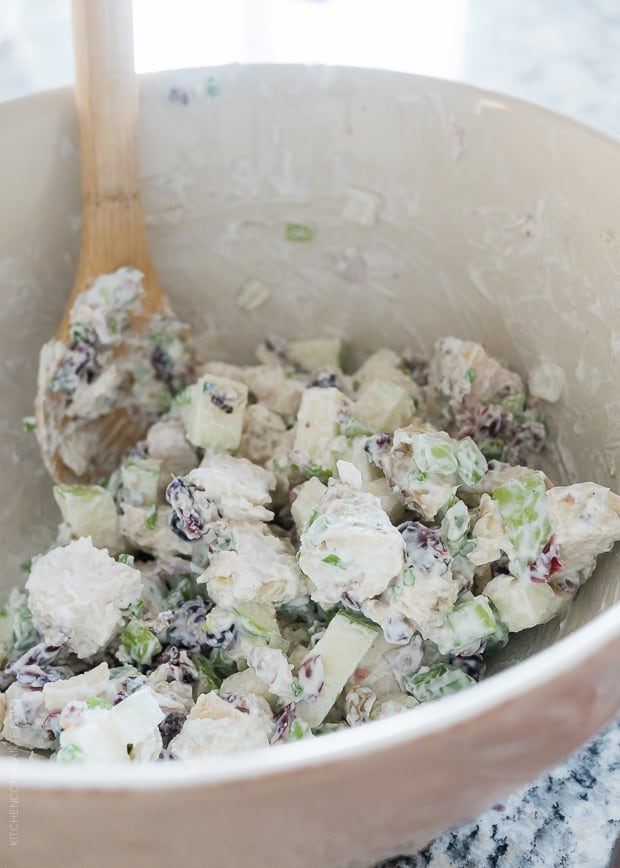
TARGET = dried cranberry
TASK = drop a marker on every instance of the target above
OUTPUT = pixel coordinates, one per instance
(162, 364)
(283, 723)
(39, 655)
(179, 666)
(281, 350)
(473, 665)
(350, 601)
(221, 401)
(186, 520)
(52, 723)
(36, 678)
(424, 548)
(239, 702)
(566, 584)
(187, 628)
(376, 446)
(171, 725)
(325, 381)
(547, 563)
(311, 677)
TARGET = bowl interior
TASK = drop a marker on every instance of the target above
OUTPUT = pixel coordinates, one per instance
(437, 209)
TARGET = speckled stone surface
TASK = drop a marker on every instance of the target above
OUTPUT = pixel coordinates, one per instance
(568, 817)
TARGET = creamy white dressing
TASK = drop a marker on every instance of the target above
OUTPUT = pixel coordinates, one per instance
(290, 548)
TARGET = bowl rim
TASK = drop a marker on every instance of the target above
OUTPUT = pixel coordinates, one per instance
(382, 735)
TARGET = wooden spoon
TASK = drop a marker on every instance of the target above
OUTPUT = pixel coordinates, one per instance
(113, 230)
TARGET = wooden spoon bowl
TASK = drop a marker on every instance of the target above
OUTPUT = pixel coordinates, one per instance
(113, 228)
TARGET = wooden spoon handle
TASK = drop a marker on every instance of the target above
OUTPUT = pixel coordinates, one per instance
(113, 232)
(106, 95)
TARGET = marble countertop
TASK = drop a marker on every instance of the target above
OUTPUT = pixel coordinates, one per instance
(564, 54)
(569, 816)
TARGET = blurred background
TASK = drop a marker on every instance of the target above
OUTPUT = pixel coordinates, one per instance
(564, 54)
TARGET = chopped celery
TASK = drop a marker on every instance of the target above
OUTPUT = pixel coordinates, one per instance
(499, 637)
(327, 728)
(433, 682)
(353, 426)
(472, 465)
(341, 647)
(69, 753)
(356, 617)
(95, 702)
(209, 679)
(89, 510)
(185, 589)
(25, 634)
(222, 662)
(136, 609)
(139, 642)
(298, 729)
(318, 353)
(433, 454)
(524, 509)
(140, 480)
(126, 559)
(213, 416)
(258, 620)
(384, 406)
(454, 527)
(521, 603)
(492, 448)
(318, 425)
(514, 404)
(304, 508)
(468, 623)
(151, 517)
(312, 471)
(6, 628)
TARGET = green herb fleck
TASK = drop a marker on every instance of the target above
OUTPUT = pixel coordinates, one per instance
(409, 578)
(95, 702)
(334, 561)
(183, 398)
(299, 232)
(137, 608)
(29, 424)
(298, 729)
(151, 517)
(323, 474)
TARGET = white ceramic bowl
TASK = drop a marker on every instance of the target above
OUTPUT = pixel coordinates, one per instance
(489, 219)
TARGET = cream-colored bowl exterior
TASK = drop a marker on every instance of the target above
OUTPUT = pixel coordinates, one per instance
(438, 209)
